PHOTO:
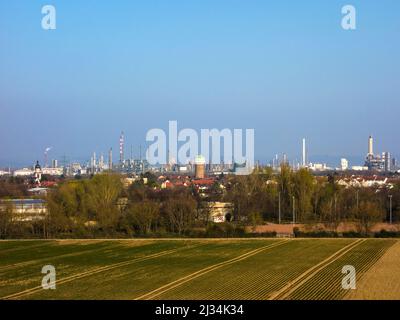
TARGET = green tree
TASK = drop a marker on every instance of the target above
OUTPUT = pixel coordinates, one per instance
(303, 187)
(103, 192)
(285, 187)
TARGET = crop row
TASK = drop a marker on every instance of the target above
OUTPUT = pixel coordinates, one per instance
(259, 276)
(327, 283)
(134, 279)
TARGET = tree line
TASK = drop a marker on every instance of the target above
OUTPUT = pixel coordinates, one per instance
(300, 196)
(102, 206)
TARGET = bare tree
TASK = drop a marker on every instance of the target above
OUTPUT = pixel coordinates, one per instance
(181, 212)
(144, 215)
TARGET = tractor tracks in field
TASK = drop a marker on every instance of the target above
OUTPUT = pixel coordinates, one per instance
(98, 270)
(285, 292)
(33, 262)
(174, 284)
(13, 250)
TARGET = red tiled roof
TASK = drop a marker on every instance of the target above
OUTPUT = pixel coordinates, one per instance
(204, 181)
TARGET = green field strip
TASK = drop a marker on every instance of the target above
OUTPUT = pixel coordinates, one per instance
(45, 249)
(57, 250)
(212, 268)
(15, 244)
(51, 251)
(26, 277)
(327, 283)
(129, 282)
(308, 274)
(259, 276)
(114, 269)
(334, 287)
(11, 249)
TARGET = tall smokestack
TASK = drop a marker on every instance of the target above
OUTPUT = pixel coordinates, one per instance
(370, 145)
(304, 153)
(94, 160)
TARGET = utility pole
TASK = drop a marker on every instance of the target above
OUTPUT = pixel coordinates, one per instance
(110, 160)
(294, 216)
(279, 207)
(390, 204)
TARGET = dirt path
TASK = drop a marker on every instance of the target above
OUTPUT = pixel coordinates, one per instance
(382, 280)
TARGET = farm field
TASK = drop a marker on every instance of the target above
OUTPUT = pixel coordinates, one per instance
(248, 269)
(382, 280)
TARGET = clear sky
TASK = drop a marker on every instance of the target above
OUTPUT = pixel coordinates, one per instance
(285, 68)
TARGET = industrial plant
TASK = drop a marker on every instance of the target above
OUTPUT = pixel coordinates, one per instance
(199, 168)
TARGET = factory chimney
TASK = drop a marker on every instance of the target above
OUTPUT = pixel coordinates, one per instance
(304, 153)
(370, 146)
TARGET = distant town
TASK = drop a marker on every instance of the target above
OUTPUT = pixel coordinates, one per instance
(378, 163)
(283, 192)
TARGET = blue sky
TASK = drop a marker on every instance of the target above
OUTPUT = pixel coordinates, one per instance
(285, 68)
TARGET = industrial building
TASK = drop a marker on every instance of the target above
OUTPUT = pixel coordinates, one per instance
(5, 173)
(24, 172)
(344, 164)
(52, 171)
(376, 162)
(25, 209)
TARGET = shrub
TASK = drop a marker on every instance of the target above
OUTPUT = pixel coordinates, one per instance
(314, 234)
(387, 234)
(224, 230)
